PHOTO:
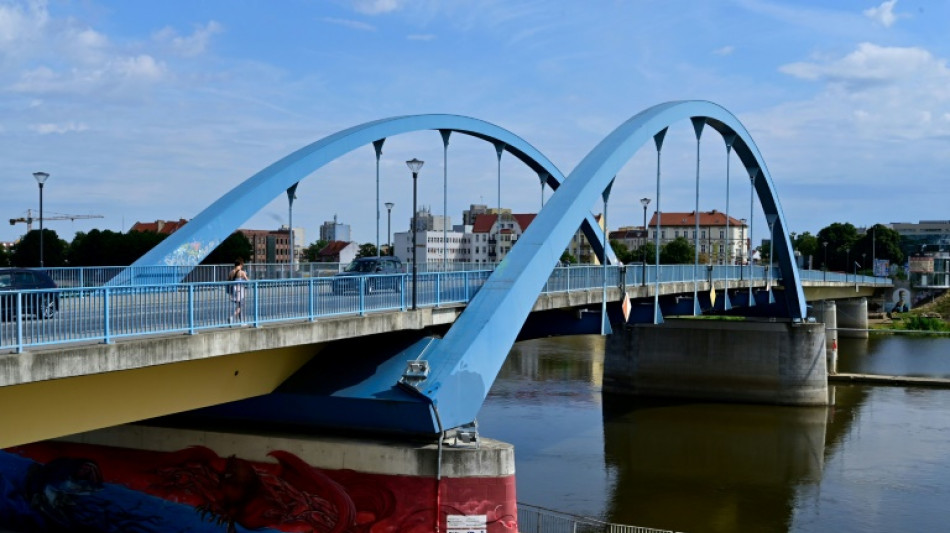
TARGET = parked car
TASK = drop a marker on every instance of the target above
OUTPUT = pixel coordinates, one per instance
(380, 273)
(38, 304)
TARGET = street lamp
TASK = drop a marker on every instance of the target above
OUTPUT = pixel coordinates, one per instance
(414, 165)
(824, 264)
(847, 262)
(389, 234)
(645, 202)
(291, 196)
(41, 178)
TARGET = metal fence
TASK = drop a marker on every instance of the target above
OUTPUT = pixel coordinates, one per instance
(534, 519)
(85, 308)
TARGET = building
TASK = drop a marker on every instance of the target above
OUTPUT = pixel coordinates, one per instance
(269, 246)
(334, 231)
(494, 234)
(633, 237)
(338, 252)
(433, 245)
(927, 247)
(162, 227)
(715, 244)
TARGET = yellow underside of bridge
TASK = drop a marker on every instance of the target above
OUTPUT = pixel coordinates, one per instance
(54, 408)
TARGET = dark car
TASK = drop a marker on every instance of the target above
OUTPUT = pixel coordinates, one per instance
(382, 272)
(38, 304)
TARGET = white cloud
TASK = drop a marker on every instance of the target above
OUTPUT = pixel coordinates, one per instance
(725, 50)
(66, 127)
(190, 45)
(376, 7)
(883, 14)
(871, 64)
(352, 24)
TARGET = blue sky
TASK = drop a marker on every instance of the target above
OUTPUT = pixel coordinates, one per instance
(152, 110)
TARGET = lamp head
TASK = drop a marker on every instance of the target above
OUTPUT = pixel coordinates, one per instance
(645, 202)
(389, 205)
(414, 165)
(41, 177)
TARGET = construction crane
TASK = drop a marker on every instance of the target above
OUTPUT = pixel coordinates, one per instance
(28, 219)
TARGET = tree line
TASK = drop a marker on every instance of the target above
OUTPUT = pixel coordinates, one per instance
(106, 248)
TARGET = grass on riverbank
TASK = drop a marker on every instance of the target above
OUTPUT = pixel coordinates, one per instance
(928, 317)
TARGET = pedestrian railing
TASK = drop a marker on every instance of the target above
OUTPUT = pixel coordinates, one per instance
(534, 519)
(109, 312)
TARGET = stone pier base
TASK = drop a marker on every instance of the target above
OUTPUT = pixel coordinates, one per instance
(718, 360)
(190, 480)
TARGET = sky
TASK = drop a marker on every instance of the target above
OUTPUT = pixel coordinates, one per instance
(142, 111)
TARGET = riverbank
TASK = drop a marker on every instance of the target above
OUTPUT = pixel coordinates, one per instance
(897, 381)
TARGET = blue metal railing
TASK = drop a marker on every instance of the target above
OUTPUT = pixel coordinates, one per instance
(106, 313)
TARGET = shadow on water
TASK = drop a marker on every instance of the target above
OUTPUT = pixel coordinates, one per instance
(709, 467)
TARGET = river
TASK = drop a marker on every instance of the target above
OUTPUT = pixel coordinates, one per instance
(878, 460)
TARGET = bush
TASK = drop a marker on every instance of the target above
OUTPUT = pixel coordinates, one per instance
(923, 323)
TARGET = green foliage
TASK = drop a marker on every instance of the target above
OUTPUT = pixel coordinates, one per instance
(679, 251)
(312, 252)
(235, 246)
(623, 253)
(841, 238)
(4, 257)
(567, 258)
(922, 323)
(645, 253)
(26, 253)
(807, 245)
(110, 248)
(366, 250)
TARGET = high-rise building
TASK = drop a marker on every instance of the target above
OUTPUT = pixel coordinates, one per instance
(334, 231)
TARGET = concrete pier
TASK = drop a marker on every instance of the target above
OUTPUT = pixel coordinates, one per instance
(718, 360)
(826, 312)
(853, 315)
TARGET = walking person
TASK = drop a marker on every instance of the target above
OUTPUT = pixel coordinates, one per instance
(237, 290)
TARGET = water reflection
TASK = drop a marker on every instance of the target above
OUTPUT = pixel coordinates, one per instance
(899, 355)
(875, 461)
(734, 467)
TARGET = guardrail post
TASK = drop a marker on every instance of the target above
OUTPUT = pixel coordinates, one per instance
(19, 322)
(438, 288)
(361, 288)
(402, 293)
(106, 330)
(468, 292)
(311, 300)
(191, 309)
(257, 306)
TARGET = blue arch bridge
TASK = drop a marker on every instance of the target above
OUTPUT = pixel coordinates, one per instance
(378, 362)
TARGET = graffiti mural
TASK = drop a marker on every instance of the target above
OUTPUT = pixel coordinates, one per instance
(61, 486)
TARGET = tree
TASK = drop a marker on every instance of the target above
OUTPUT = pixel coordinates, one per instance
(645, 253)
(4, 257)
(312, 252)
(841, 238)
(880, 242)
(366, 250)
(679, 251)
(623, 253)
(807, 245)
(235, 246)
(567, 258)
(26, 253)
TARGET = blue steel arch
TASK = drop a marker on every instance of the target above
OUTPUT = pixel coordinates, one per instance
(466, 361)
(196, 239)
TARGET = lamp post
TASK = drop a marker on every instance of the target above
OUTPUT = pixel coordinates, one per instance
(414, 165)
(645, 202)
(741, 253)
(389, 233)
(847, 260)
(291, 196)
(824, 263)
(41, 178)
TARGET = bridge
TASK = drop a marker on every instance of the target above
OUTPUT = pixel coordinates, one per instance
(134, 338)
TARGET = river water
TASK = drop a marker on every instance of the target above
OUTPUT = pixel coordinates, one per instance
(878, 460)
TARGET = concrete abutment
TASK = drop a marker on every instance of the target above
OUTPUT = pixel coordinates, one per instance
(719, 360)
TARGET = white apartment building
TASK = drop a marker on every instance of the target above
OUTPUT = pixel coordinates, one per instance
(718, 246)
(493, 235)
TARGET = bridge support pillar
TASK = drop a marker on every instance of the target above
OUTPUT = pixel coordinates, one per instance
(853, 313)
(826, 312)
(754, 362)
